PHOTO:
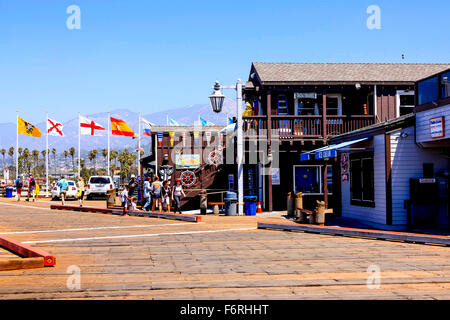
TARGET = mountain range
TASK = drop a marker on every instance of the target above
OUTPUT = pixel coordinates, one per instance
(185, 115)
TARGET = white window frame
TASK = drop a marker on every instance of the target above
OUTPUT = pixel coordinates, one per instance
(397, 100)
(339, 97)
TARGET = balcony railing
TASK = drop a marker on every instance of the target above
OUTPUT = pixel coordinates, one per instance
(307, 127)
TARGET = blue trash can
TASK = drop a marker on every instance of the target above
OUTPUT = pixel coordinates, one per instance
(230, 203)
(250, 205)
(9, 192)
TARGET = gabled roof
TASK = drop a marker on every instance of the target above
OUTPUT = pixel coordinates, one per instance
(364, 73)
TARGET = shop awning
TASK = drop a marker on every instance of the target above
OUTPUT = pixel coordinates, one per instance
(329, 151)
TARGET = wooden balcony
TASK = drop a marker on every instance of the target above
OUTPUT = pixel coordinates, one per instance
(307, 127)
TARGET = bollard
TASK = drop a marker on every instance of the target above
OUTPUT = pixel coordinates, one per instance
(299, 205)
(203, 202)
(320, 213)
(290, 204)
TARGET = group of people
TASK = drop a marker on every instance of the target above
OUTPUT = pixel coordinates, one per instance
(33, 187)
(162, 195)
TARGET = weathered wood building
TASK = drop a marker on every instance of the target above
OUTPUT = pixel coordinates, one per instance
(298, 107)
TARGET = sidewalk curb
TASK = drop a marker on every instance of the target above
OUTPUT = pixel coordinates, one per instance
(31, 256)
(354, 232)
(170, 216)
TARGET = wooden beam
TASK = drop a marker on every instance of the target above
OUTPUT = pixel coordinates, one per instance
(26, 251)
(356, 232)
(21, 263)
(324, 115)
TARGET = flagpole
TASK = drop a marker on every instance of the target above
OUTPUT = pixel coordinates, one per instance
(226, 123)
(79, 146)
(167, 118)
(139, 146)
(17, 145)
(199, 121)
(109, 129)
(46, 154)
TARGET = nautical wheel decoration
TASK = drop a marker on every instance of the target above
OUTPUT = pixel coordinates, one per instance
(188, 178)
(215, 158)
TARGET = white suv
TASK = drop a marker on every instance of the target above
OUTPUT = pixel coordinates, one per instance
(72, 191)
(98, 185)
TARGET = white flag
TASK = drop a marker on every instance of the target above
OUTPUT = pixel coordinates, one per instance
(90, 127)
(54, 128)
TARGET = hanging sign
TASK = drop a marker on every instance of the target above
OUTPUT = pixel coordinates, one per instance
(437, 127)
(344, 166)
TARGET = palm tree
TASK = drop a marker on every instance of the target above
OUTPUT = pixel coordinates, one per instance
(54, 159)
(11, 154)
(105, 156)
(72, 154)
(113, 154)
(3, 152)
(35, 157)
(92, 156)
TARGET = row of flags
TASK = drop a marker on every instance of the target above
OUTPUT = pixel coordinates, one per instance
(92, 128)
(87, 127)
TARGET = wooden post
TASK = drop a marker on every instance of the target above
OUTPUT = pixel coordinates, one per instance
(324, 116)
(269, 147)
(387, 145)
(325, 185)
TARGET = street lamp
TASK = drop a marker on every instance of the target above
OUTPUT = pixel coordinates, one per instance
(217, 99)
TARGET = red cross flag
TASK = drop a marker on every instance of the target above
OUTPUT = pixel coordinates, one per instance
(54, 128)
(90, 127)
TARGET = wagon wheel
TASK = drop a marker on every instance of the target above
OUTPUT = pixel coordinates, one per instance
(215, 158)
(188, 178)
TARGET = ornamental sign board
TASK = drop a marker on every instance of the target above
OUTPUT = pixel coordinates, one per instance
(325, 154)
(437, 127)
(305, 95)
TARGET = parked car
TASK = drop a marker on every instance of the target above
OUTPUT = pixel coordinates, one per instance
(71, 192)
(98, 186)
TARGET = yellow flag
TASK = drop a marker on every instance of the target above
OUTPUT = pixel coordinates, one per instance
(28, 129)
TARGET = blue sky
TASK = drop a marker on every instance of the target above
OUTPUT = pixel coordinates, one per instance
(151, 55)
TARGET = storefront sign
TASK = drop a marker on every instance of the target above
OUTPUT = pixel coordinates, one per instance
(276, 176)
(437, 127)
(187, 161)
(326, 154)
(305, 95)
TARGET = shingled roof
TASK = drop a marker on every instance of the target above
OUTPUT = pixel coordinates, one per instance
(304, 73)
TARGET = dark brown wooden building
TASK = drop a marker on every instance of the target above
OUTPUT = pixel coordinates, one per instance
(298, 107)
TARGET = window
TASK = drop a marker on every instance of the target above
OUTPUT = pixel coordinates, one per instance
(334, 104)
(405, 102)
(306, 104)
(282, 105)
(309, 180)
(428, 90)
(362, 179)
(445, 85)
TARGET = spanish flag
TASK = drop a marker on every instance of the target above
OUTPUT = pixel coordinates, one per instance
(121, 128)
(27, 128)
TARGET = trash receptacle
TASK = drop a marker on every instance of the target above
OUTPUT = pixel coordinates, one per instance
(250, 205)
(203, 202)
(230, 203)
(9, 192)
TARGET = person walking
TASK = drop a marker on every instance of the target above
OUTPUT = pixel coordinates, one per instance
(166, 192)
(31, 187)
(147, 193)
(125, 200)
(132, 184)
(19, 186)
(156, 194)
(80, 193)
(177, 194)
(63, 187)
